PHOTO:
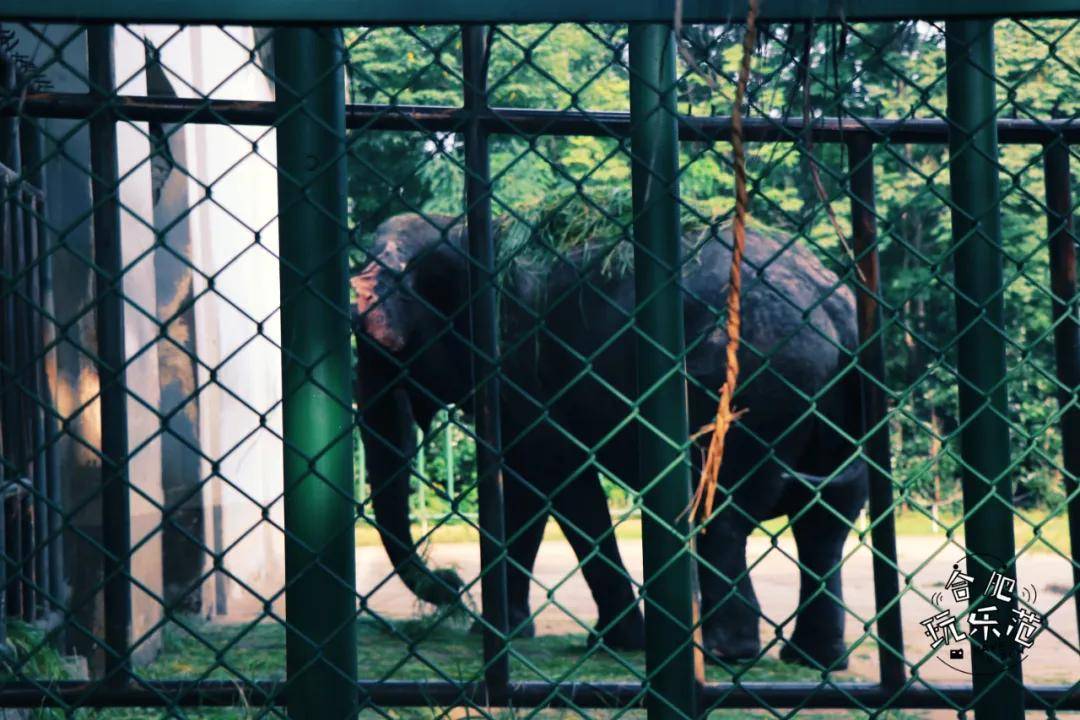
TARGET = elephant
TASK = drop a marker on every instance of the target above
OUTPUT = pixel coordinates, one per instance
(568, 383)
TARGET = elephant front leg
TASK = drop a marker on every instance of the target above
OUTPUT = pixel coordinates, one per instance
(582, 512)
(526, 515)
(526, 510)
(729, 607)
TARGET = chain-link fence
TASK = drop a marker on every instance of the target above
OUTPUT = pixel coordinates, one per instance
(369, 368)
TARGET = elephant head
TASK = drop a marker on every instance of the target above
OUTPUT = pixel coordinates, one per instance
(388, 308)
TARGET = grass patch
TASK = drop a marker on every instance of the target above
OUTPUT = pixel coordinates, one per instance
(429, 648)
(1035, 527)
(27, 653)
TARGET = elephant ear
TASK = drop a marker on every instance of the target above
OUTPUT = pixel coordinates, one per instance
(378, 311)
(363, 286)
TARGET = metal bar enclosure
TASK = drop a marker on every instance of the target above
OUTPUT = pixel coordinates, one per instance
(599, 695)
(673, 661)
(984, 434)
(320, 570)
(33, 152)
(528, 121)
(432, 12)
(310, 121)
(484, 330)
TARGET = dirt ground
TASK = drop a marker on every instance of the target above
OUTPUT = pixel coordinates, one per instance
(924, 560)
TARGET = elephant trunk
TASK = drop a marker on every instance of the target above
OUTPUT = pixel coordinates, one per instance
(390, 444)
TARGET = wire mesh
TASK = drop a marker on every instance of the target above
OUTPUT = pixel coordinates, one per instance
(359, 369)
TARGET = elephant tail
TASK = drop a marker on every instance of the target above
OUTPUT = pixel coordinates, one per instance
(844, 491)
(841, 478)
(837, 428)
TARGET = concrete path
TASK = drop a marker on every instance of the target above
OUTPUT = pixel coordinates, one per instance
(1054, 657)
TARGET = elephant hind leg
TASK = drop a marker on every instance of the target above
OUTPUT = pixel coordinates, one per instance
(820, 530)
(749, 491)
(730, 611)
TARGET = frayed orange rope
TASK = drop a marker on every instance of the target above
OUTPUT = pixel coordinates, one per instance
(705, 495)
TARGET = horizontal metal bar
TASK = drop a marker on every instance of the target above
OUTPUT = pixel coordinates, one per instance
(519, 121)
(429, 12)
(225, 693)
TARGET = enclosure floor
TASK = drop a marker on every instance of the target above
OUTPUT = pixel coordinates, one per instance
(775, 577)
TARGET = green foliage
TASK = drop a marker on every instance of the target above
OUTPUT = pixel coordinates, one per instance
(400, 66)
(556, 191)
(30, 653)
(446, 445)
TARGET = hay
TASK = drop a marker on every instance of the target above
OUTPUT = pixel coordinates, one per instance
(597, 226)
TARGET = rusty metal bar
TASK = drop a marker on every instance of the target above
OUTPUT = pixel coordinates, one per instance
(875, 426)
(1059, 226)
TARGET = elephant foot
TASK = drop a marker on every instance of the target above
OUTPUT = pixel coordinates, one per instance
(722, 645)
(626, 634)
(520, 623)
(815, 653)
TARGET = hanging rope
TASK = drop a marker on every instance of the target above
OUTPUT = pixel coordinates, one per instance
(705, 495)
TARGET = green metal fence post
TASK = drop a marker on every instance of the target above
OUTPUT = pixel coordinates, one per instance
(1059, 226)
(4, 473)
(976, 229)
(111, 358)
(28, 142)
(672, 658)
(448, 456)
(21, 287)
(359, 472)
(316, 385)
(420, 461)
(484, 331)
(35, 362)
(875, 425)
(8, 406)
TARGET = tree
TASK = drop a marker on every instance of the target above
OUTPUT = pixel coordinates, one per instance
(891, 70)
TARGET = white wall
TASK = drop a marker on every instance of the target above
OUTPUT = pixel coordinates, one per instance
(140, 342)
(76, 384)
(237, 330)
